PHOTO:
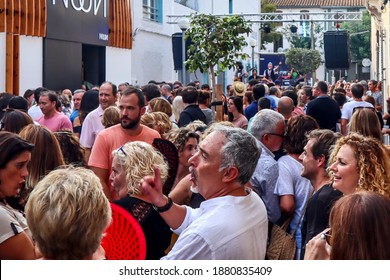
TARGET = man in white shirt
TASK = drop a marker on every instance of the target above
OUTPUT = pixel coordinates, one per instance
(349, 107)
(92, 124)
(232, 223)
(34, 111)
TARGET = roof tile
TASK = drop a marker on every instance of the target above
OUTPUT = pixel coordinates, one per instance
(318, 3)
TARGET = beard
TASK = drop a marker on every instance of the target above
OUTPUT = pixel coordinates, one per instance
(131, 123)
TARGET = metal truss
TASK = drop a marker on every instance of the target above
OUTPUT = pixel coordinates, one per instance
(288, 17)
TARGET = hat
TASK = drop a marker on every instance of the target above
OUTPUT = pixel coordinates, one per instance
(239, 88)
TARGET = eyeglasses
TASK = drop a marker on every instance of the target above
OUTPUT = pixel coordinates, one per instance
(327, 236)
(277, 134)
(121, 149)
(362, 108)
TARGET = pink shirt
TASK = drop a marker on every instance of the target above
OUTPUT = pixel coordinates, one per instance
(241, 122)
(56, 123)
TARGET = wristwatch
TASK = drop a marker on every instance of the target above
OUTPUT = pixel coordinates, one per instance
(164, 208)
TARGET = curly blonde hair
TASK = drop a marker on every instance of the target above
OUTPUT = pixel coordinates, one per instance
(138, 160)
(159, 120)
(373, 162)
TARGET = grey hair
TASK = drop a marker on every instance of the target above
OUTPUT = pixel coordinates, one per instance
(240, 150)
(265, 121)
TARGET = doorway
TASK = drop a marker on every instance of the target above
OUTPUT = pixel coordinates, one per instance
(93, 65)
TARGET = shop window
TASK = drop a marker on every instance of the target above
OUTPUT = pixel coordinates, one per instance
(152, 10)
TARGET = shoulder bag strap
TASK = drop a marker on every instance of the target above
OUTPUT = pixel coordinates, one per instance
(302, 214)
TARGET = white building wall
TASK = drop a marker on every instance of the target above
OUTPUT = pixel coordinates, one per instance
(118, 65)
(152, 57)
(31, 63)
(2, 61)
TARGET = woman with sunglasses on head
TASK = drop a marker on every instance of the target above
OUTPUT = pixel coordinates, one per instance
(15, 237)
(359, 230)
(130, 164)
(365, 121)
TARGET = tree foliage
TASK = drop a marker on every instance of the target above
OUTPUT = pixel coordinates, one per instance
(216, 41)
(306, 60)
(359, 37)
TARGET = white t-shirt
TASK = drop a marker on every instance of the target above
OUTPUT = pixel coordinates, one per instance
(290, 182)
(346, 112)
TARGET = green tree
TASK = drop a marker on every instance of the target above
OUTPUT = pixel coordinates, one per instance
(306, 60)
(359, 37)
(216, 41)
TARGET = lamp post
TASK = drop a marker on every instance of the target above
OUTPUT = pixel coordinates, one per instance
(184, 24)
(253, 43)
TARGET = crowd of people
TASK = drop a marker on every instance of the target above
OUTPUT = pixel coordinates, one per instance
(201, 185)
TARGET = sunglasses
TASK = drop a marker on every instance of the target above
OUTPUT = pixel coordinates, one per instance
(123, 151)
(277, 134)
(362, 108)
(327, 236)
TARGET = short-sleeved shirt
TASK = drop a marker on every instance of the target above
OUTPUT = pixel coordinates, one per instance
(56, 123)
(377, 96)
(113, 138)
(92, 125)
(346, 112)
(35, 112)
(209, 115)
(290, 182)
(12, 222)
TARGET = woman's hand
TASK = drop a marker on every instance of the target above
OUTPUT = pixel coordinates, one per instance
(316, 248)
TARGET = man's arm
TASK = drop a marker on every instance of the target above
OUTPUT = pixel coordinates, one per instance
(87, 153)
(287, 205)
(344, 123)
(152, 190)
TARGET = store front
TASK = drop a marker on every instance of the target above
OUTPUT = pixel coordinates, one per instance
(74, 48)
(62, 43)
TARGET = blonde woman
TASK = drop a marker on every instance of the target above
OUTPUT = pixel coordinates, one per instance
(360, 163)
(67, 213)
(158, 121)
(131, 163)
